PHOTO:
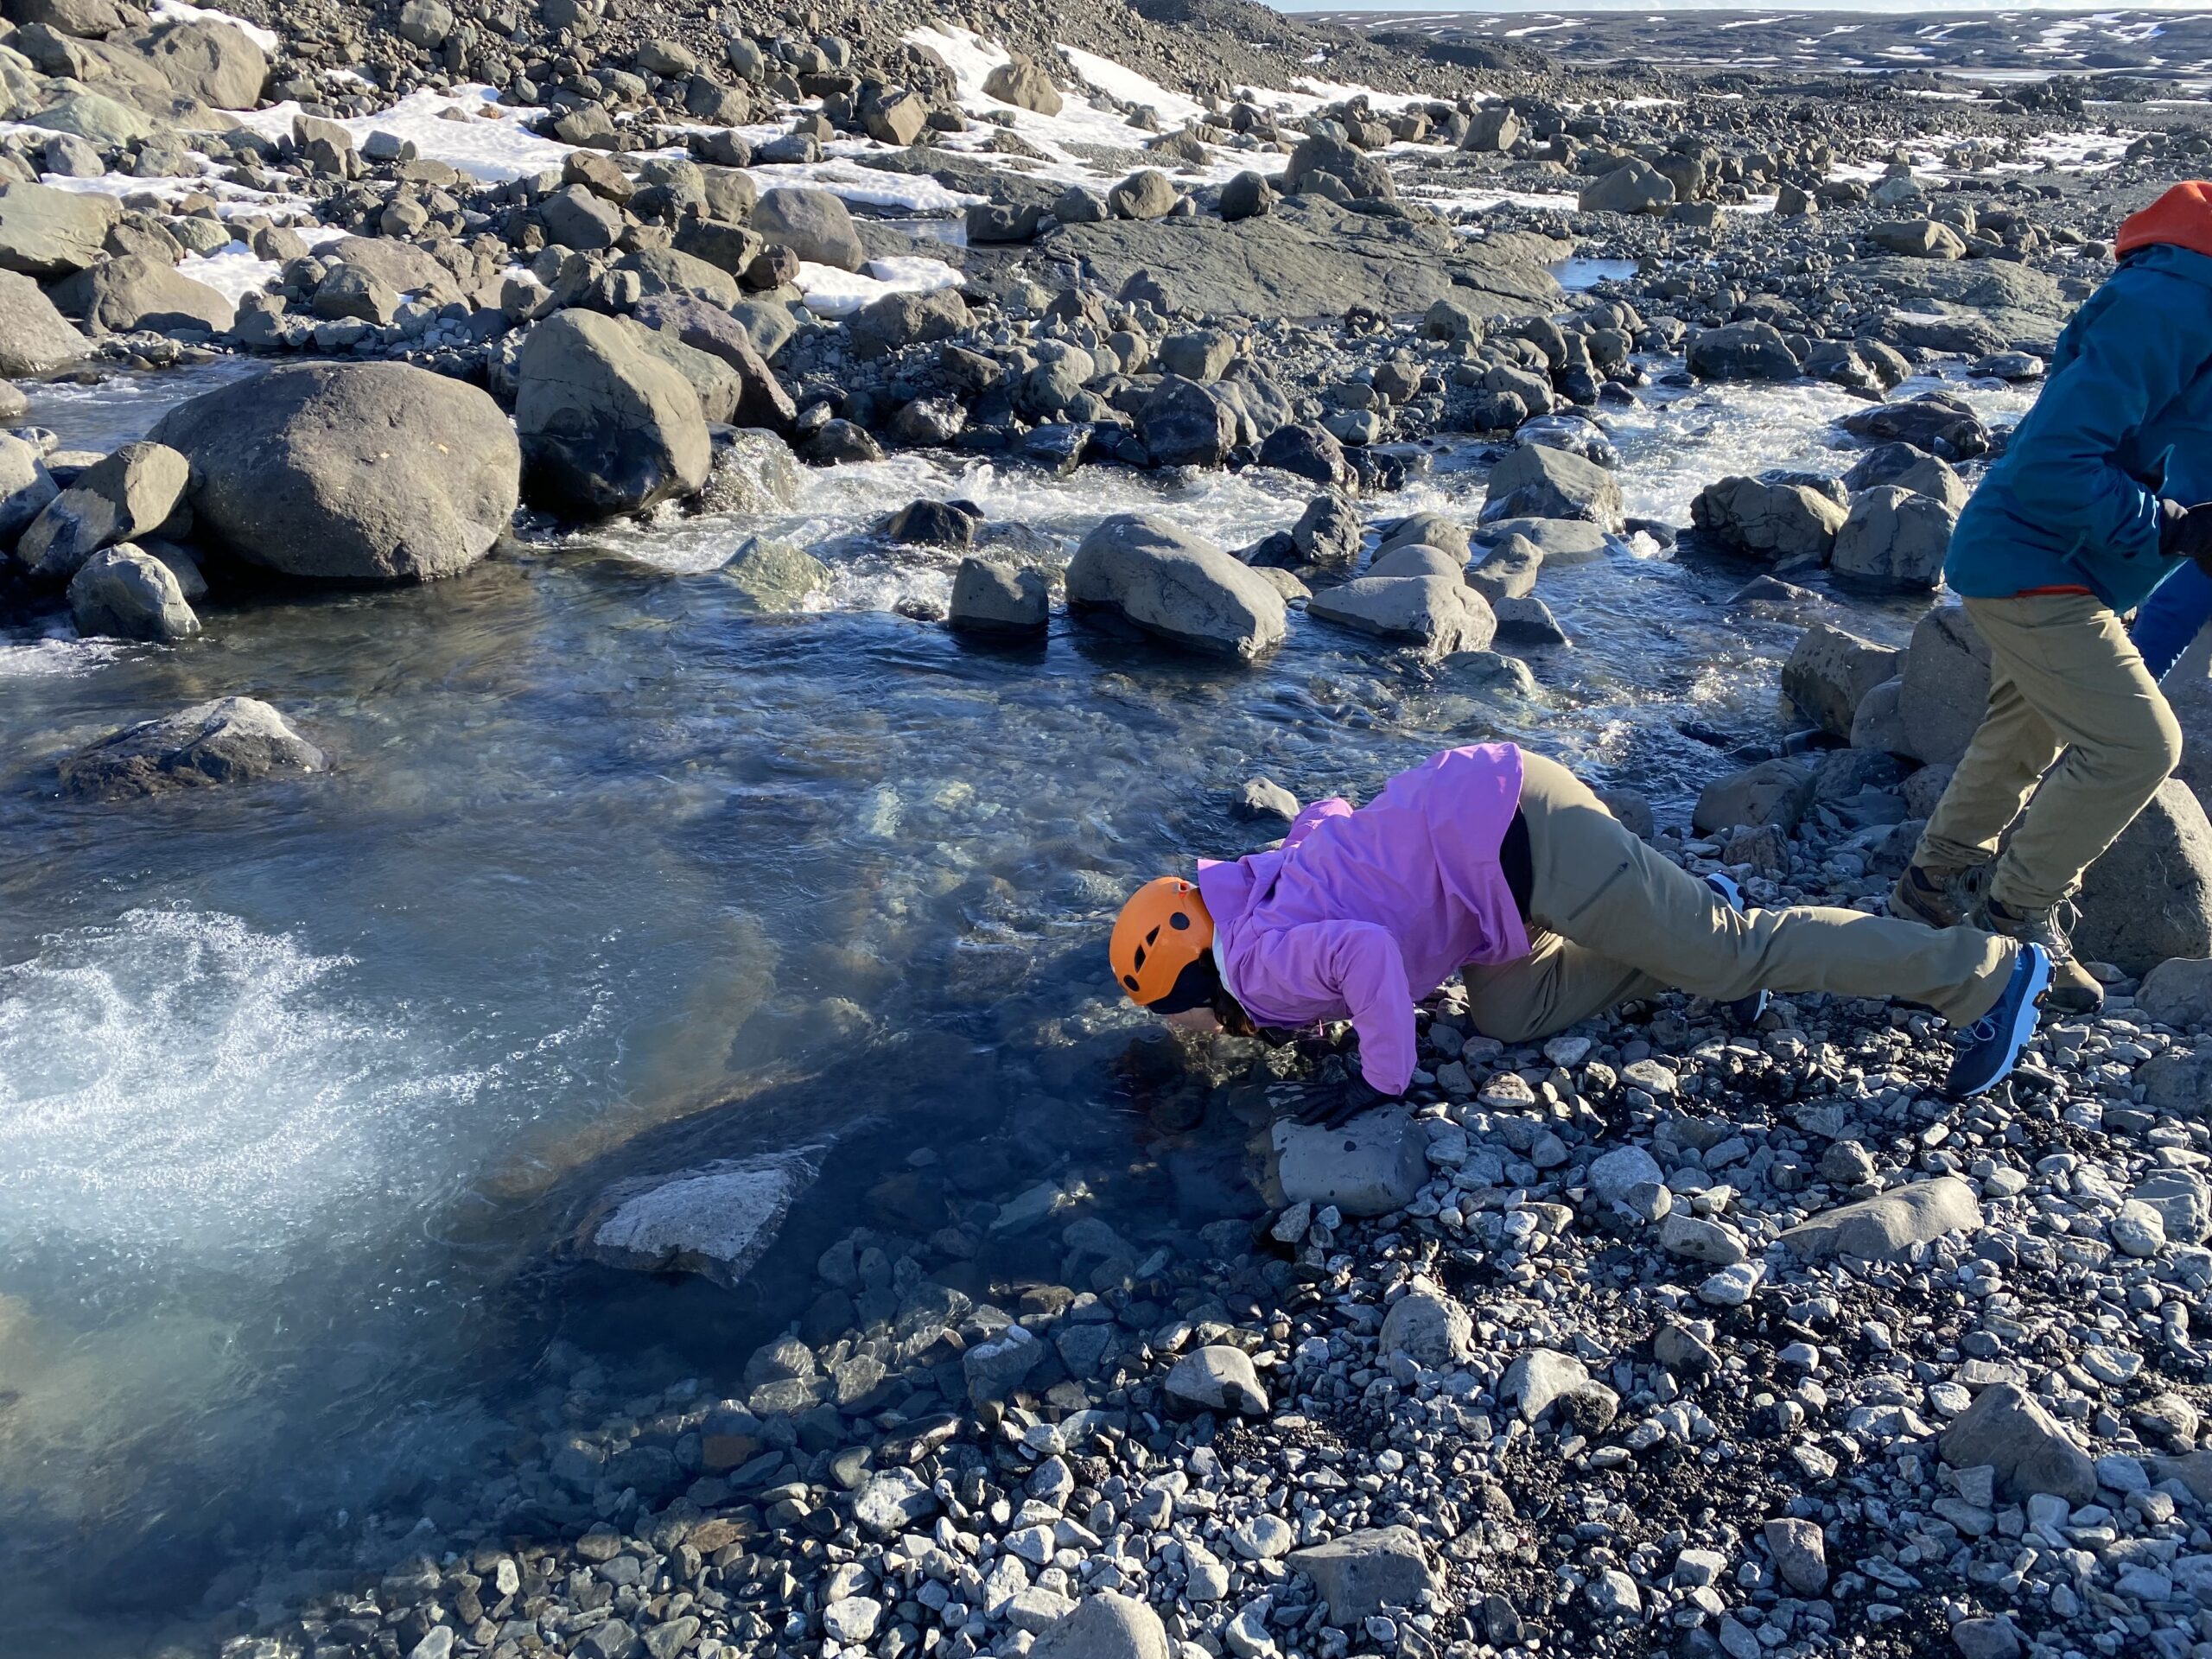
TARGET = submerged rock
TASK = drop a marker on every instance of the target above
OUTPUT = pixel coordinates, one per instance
(1176, 587)
(989, 597)
(716, 1221)
(349, 471)
(230, 740)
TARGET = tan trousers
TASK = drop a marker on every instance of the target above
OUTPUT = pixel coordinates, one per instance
(1611, 919)
(2065, 685)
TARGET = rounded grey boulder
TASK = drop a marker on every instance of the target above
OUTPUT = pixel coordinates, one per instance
(1176, 587)
(813, 224)
(349, 471)
(129, 594)
(34, 336)
(230, 740)
(606, 426)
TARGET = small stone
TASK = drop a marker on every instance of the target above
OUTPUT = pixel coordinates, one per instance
(1363, 1573)
(1218, 1379)
(1800, 1555)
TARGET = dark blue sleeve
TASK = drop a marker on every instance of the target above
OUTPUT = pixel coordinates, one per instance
(2171, 618)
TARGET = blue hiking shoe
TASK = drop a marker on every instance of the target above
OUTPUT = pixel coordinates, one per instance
(1744, 1010)
(1990, 1048)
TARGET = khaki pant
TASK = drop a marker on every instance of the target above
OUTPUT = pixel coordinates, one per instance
(1611, 919)
(2063, 676)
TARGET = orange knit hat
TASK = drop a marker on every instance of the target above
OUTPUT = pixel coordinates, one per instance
(2181, 218)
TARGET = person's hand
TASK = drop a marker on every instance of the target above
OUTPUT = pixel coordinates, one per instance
(1332, 1105)
(2186, 533)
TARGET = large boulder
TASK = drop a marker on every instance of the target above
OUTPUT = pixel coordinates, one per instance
(1634, 188)
(1830, 672)
(1175, 587)
(1895, 537)
(120, 497)
(2150, 897)
(1768, 520)
(606, 426)
(2005, 1430)
(895, 320)
(1363, 176)
(1742, 350)
(230, 740)
(49, 233)
(1023, 83)
(26, 485)
(1945, 691)
(134, 291)
(1185, 424)
(1779, 792)
(1375, 1164)
(1146, 193)
(990, 597)
(1440, 614)
(1918, 238)
(129, 595)
(35, 337)
(1934, 422)
(349, 471)
(1537, 481)
(211, 63)
(763, 402)
(813, 224)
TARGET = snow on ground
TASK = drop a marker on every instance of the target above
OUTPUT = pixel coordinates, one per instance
(234, 272)
(491, 143)
(177, 11)
(841, 175)
(1115, 80)
(833, 293)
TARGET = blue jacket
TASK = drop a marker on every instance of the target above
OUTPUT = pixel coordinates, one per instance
(2172, 619)
(2074, 501)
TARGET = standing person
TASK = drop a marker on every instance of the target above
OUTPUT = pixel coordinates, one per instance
(1500, 863)
(2068, 531)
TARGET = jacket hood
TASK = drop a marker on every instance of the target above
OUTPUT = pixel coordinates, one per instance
(2182, 219)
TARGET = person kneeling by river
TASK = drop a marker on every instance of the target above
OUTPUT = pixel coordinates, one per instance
(1501, 864)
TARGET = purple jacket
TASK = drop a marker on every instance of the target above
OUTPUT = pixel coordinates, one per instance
(1359, 912)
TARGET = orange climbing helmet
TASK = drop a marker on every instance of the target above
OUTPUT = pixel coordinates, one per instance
(1164, 933)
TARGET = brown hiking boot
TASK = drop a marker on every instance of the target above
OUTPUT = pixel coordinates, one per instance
(1934, 895)
(2072, 990)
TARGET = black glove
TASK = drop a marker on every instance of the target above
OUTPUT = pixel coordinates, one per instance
(1332, 1105)
(2186, 533)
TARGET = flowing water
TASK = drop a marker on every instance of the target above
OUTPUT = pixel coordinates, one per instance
(303, 1085)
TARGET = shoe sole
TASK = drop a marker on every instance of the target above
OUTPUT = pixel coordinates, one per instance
(2024, 1023)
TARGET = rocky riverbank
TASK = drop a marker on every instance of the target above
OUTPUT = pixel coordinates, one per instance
(1662, 1336)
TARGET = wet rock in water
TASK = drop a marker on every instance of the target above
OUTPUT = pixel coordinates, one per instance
(1895, 536)
(1183, 424)
(26, 485)
(1440, 614)
(773, 576)
(931, 524)
(1508, 570)
(1105, 1626)
(129, 595)
(35, 337)
(1373, 1164)
(1563, 542)
(352, 472)
(1218, 1378)
(1427, 1327)
(1537, 481)
(1264, 798)
(1362, 1573)
(1941, 425)
(716, 1221)
(1830, 672)
(129, 494)
(1529, 622)
(837, 442)
(1635, 188)
(1416, 559)
(1908, 468)
(989, 597)
(2150, 897)
(1022, 82)
(229, 741)
(1307, 452)
(1176, 587)
(49, 233)
(754, 471)
(1743, 350)
(813, 224)
(124, 295)
(2005, 1430)
(605, 427)
(1775, 521)
(1779, 792)
(1883, 1228)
